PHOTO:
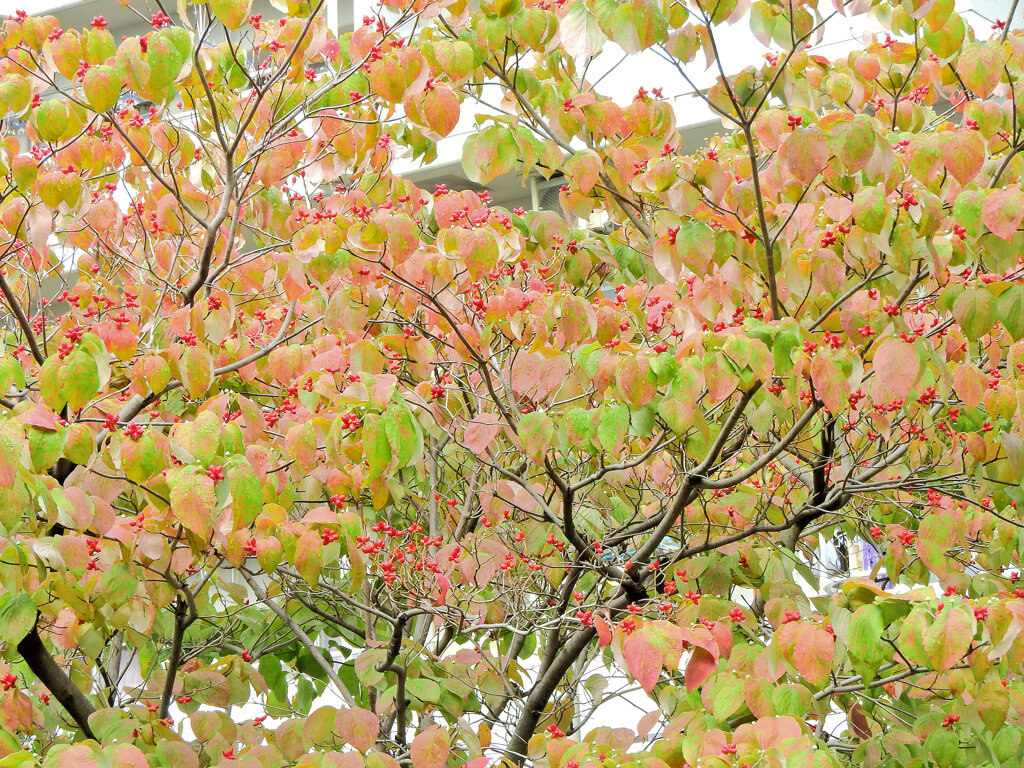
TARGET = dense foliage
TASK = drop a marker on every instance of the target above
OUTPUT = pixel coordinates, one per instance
(431, 482)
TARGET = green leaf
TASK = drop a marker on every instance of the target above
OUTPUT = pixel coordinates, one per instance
(143, 458)
(403, 434)
(947, 39)
(975, 311)
(17, 617)
(489, 154)
(196, 369)
(1010, 311)
(102, 88)
(192, 500)
(51, 120)
(376, 446)
(869, 209)
(81, 378)
(118, 584)
(865, 632)
(246, 494)
(943, 745)
(424, 690)
(857, 143)
(612, 427)
(537, 433)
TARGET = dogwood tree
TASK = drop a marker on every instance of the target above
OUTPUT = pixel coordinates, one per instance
(429, 482)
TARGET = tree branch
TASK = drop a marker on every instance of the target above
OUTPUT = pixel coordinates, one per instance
(51, 675)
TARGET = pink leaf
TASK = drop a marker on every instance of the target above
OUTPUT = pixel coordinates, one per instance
(40, 417)
(897, 367)
(481, 431)
(643, 659)
(1002, 212)
(829, 383)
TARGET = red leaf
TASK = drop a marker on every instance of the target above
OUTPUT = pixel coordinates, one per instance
(859, 722)
(700, 667)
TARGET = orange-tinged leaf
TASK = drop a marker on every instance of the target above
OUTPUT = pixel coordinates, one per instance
(359, 727)
(806, 152)
(857, 143)
(948, 637)
(963, 153)
(430, 748)
(387, 78)
(700, 667)
(584, 169)
(813, 653)
(78, 756)
(969, 384)
(231, 13)
(309, 557)
(980, 66)
(479, 251)
(643, 659)
(935, 535)
(192, 501)
(441, 109)
(489, 154)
